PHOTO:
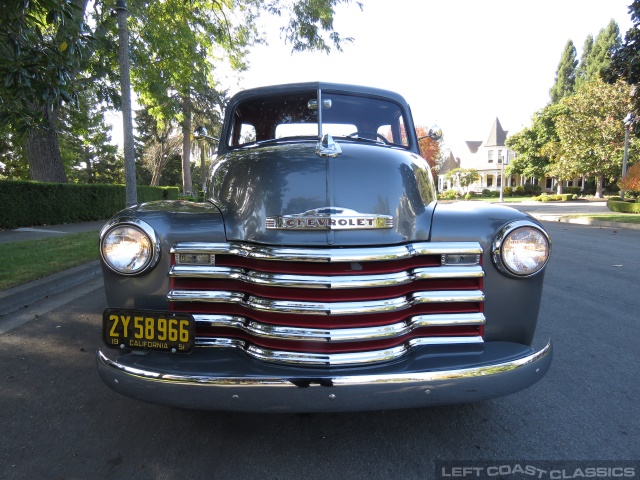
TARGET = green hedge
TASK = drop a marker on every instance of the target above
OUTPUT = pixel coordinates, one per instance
(616, 205)
(26, 203)
(563, 197)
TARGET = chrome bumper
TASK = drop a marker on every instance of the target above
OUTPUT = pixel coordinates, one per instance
(265, 389)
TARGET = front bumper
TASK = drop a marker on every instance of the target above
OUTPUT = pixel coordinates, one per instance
(220, 379)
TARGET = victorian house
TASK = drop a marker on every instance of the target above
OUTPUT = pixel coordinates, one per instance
(489, 158)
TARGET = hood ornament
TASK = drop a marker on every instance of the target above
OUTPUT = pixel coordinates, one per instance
(329, 218)
(327, 147)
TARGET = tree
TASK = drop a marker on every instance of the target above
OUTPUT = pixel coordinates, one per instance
(591, 131)
(48, 54)
(606, 43)
(625, 61)
(85, 143)
(42, 43)
(565, 75)
(463, 177)
(533, 159)
(631, 180)
(175, 75)
(583, 66)
(430, 149)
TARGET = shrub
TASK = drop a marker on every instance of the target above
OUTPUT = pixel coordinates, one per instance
(617, 205)
(507, 191)
(486, 192)
(519, 191)
(573, 190)
(468, 196)
(494, 194)
(26, 203)
(449, 195)
(533, 190)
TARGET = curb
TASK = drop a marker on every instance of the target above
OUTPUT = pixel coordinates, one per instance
(587, 221)
(28, 293)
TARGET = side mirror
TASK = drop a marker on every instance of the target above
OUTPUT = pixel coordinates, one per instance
(200, 133)
(434, 133)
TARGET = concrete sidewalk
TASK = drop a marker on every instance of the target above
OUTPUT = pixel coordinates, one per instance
(28, 293)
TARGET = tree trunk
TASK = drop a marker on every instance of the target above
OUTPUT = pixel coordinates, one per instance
(599, 185)
(43, 153)
(156, 173)
(559, 187)
(187, 187)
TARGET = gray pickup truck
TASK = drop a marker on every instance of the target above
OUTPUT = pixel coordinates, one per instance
(321, 273)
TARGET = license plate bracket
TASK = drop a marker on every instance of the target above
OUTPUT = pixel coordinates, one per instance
(148, 330)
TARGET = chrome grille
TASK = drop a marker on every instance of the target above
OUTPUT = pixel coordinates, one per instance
(333, 306)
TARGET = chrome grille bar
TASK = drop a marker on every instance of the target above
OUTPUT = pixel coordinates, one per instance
(329, 255)
(331, 359)
(325, 308)
(279, 332)
(324, 281)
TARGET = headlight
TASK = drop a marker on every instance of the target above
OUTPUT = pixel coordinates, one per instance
(129, 247)
(521, 249)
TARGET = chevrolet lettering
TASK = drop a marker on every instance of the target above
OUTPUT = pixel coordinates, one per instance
(321, 273)
(329, 219)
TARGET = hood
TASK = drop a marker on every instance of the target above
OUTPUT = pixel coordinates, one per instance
(257, 190)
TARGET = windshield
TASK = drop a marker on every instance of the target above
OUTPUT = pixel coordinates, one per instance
(295, 116)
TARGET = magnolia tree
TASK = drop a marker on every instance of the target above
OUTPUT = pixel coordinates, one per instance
(591, 132)
(463, 178)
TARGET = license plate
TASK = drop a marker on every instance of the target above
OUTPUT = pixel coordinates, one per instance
(148, 330)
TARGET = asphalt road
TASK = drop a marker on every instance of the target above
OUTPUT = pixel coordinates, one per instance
(60, 422)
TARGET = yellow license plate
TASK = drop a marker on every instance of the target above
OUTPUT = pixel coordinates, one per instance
(148, 330)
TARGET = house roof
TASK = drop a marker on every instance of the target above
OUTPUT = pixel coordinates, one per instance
(497, 135)
(449, 164)
(473, 145)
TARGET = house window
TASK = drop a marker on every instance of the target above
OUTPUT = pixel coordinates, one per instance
(489, 181)
(499, 156)
(490, 156)
(499, 182)
(549, 183)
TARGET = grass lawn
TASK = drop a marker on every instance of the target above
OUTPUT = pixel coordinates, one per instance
(24, 262)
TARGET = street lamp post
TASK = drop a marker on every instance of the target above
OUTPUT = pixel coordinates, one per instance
(628, 122)
(502, 182)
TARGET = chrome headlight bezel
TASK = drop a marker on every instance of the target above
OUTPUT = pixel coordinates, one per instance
(498, 248)
(141, 227)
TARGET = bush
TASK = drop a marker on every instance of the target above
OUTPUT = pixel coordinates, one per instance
(507, 191)
(519, 191)
(572, 190)
(533, 190)
(449, 195)
(494, 194)
(563, 197)
(486, 192)
(468, 196)
(616, 205)
(26, 203)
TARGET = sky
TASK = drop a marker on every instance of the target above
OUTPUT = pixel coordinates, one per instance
(459, 63)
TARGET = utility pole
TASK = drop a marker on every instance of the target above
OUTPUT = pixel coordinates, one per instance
(131, 195)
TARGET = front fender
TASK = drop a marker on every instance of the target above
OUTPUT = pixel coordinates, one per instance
(172, 221)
